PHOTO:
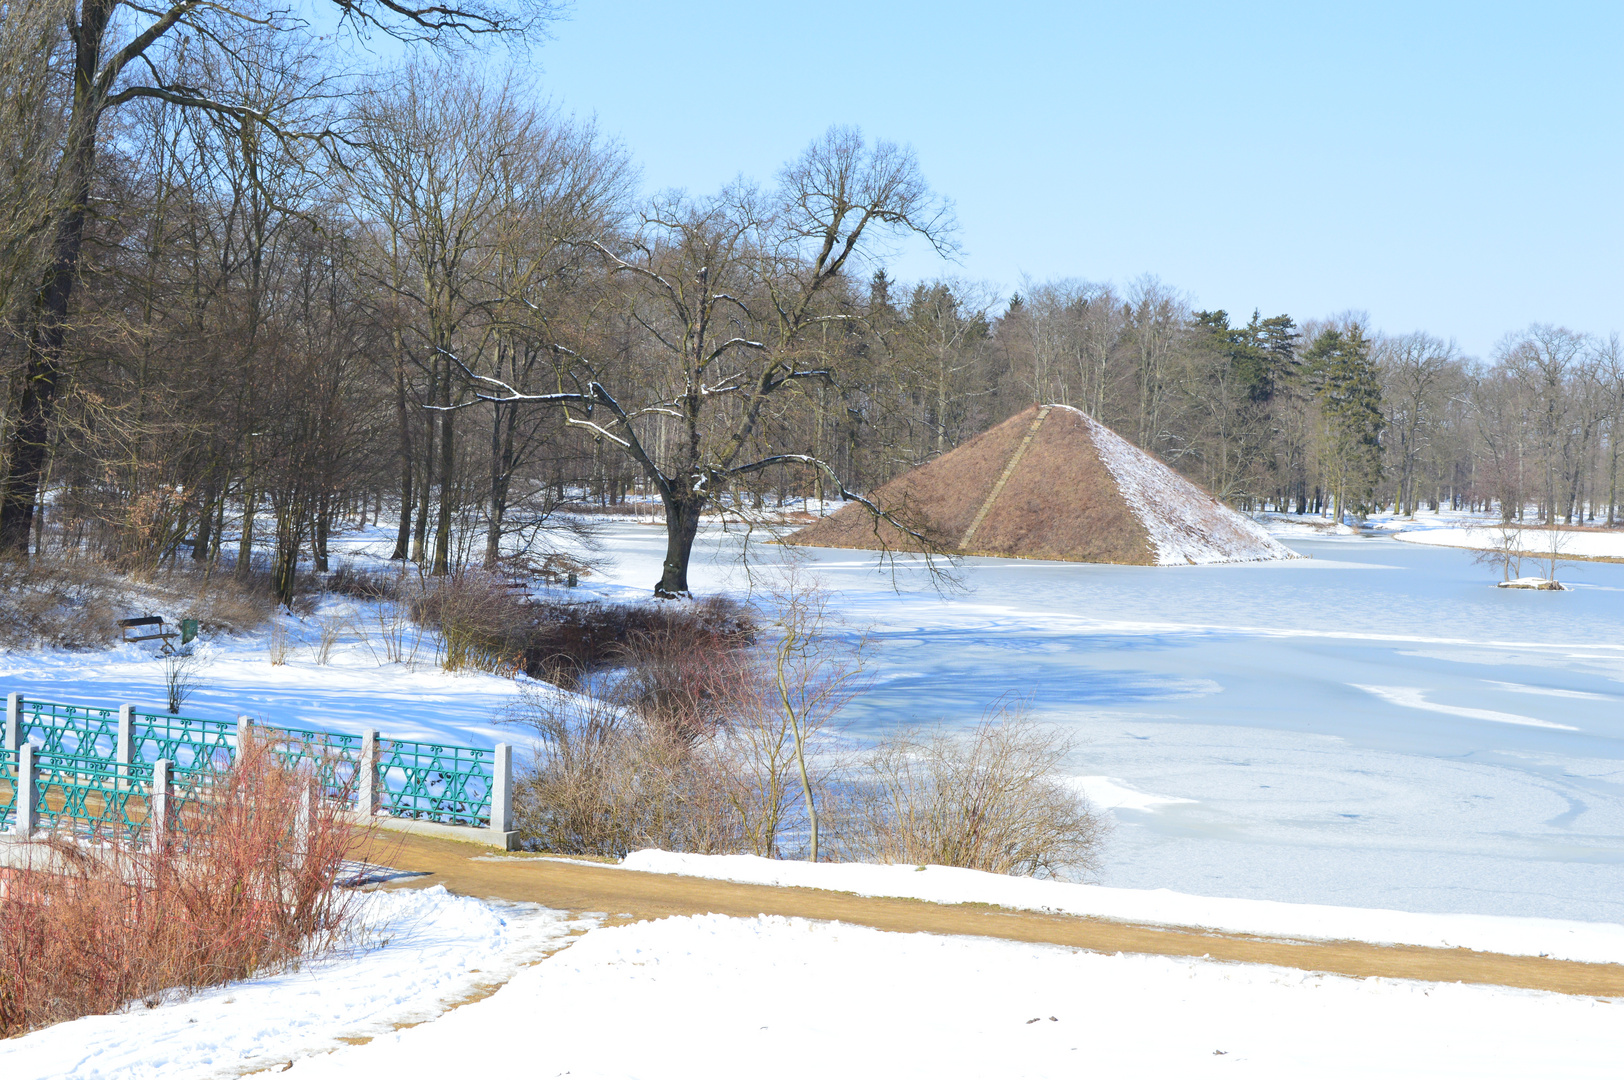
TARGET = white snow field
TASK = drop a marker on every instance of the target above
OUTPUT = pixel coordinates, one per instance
(712, 996)
(1374, 726)
(1534, 543)
(414, 954)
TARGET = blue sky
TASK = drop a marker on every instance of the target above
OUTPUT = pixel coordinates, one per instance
(1448, 167)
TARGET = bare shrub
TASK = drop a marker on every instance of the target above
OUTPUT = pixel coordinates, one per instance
(223, 604)
(993, 800)
(88, 929)
(328, 631)
(605, 782)
(347, 580)
(483, 624)
(569, 639)
(56, 603)
(182, 677)
(278, 644)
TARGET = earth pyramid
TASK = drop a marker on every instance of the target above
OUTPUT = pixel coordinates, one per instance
(1050, 483)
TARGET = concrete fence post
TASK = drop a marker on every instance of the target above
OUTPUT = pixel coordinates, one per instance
(158, 804)
(14, 721)
(125, 753)
(502, 796)
(304, 814)
(366, 795)
(25, 817)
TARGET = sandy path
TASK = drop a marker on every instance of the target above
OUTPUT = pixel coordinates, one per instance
(627, 895)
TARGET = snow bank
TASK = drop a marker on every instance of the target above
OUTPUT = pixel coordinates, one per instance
(713, 996)
(414, 953)
(1558, 938)
(1186, 525)
(1535, 543)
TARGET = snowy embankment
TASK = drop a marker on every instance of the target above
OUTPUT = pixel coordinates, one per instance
(411, 955)
(1598, 943)
(712, 996)
(1533, 543)
(1186, 525)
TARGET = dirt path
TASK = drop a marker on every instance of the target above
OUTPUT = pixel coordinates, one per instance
(626, 895)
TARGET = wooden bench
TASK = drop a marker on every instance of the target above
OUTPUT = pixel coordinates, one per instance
(148, 628)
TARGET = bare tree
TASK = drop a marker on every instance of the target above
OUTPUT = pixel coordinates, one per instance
(726, 291)
(111, 63)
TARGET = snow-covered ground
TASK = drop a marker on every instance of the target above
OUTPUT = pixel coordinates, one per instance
(412, 955)
(1535, 544)
(712, 996)
(1376, 726)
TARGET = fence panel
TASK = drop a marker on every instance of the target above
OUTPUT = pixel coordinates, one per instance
(189, 743)
(434, 782)
(8, 788)
(79, 731)
(336, 757)
(97, 799)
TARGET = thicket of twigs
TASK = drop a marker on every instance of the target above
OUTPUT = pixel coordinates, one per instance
(89, 928)
(74, 601)
(993, 799)
(698, 743)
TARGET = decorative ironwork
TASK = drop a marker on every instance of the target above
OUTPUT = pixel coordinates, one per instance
(189, 743)
(71, 730)
(336, 757)
(77, 751)
(435, 782)
(92, 797)
(8, 777)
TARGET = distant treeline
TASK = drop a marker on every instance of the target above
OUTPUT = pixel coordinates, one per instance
(280, 301)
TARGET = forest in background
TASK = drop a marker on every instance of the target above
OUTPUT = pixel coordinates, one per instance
(433, 302)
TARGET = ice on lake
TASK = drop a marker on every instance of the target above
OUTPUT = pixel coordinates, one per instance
(1376, 726)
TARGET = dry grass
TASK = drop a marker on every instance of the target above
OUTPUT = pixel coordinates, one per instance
(57, 603)
(230, 895)
(994, 800)
(605, 782)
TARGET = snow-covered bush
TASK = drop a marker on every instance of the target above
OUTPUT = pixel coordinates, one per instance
(994, 799)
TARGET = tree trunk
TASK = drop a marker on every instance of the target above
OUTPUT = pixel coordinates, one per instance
(403, 416)
(448, 463)
(681, 526)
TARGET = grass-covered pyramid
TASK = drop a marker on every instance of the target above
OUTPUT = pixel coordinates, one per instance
(1050, 483)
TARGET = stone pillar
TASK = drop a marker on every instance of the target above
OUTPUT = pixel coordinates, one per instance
(158, 804)
(366, 781)
(14, 721)
(125, 754)
(25, 817)
(502, 796)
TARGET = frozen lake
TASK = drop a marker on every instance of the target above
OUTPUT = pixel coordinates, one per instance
(1376, 725)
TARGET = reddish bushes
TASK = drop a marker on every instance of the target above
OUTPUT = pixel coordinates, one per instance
(245, 883)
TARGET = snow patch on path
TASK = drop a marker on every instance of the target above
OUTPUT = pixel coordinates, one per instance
(1598, 943)
(717, 997)
(414, 953)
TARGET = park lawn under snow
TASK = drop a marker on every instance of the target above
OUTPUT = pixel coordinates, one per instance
(713, 996)
(410, 955)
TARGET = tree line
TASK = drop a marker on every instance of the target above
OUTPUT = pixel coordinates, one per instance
(246, 299)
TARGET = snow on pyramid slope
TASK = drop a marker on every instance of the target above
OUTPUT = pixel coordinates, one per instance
(1051, 483)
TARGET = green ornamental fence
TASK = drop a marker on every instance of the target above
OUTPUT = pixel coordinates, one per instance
(92, 769)
(8, 776)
